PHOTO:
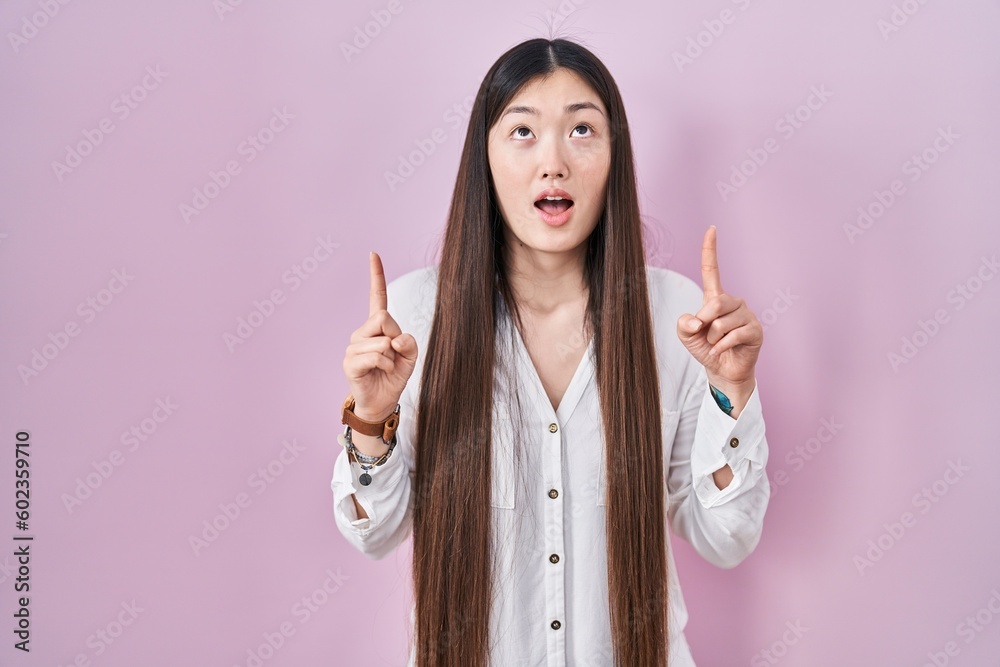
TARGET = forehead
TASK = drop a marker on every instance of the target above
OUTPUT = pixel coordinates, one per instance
(550, 93)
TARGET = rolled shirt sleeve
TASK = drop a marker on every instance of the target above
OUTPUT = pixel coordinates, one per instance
(721, 440)
(723, 525)
(386, 501)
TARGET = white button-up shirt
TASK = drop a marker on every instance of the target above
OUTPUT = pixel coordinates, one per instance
(549, 512)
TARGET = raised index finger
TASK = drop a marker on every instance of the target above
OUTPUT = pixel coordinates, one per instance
(377, 299)
(711, 282)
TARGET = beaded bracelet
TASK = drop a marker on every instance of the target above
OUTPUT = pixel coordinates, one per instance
(365, 461)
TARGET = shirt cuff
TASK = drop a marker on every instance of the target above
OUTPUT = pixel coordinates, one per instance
(721, 440)
(346, 474)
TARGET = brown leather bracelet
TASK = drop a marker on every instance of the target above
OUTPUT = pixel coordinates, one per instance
(385, 429)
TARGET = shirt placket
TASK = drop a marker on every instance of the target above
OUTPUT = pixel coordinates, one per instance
(554, 542)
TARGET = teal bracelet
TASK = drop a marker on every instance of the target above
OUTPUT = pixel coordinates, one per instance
(722, 400)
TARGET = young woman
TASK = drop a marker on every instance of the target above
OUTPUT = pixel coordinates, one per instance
(569, 403)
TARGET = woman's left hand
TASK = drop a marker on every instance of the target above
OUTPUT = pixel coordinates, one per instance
(724, 336)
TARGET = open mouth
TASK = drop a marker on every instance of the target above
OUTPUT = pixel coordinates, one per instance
(554, 206)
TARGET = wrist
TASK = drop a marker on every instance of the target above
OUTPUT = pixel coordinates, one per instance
(371, 415)
(369, 437)
(731, 397)
(369, 445)
(733, 389)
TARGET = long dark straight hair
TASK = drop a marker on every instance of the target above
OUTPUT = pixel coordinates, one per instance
(452, 520)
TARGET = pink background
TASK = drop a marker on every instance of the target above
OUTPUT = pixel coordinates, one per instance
(845, 307)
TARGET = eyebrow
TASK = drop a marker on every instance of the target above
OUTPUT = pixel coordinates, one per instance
(570, 108)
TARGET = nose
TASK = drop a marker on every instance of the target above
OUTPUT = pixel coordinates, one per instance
(553, 164)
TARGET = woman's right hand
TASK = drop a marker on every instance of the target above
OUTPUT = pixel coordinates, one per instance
(380, 358)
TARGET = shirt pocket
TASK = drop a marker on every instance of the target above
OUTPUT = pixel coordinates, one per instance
(669, 424)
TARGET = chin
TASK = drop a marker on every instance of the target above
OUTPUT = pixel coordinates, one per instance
(557, 246)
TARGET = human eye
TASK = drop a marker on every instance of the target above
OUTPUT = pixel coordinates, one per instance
(516, 132)
(586, 127)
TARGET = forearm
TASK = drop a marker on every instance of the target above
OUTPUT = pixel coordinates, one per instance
(362, 514)
(722, 477)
